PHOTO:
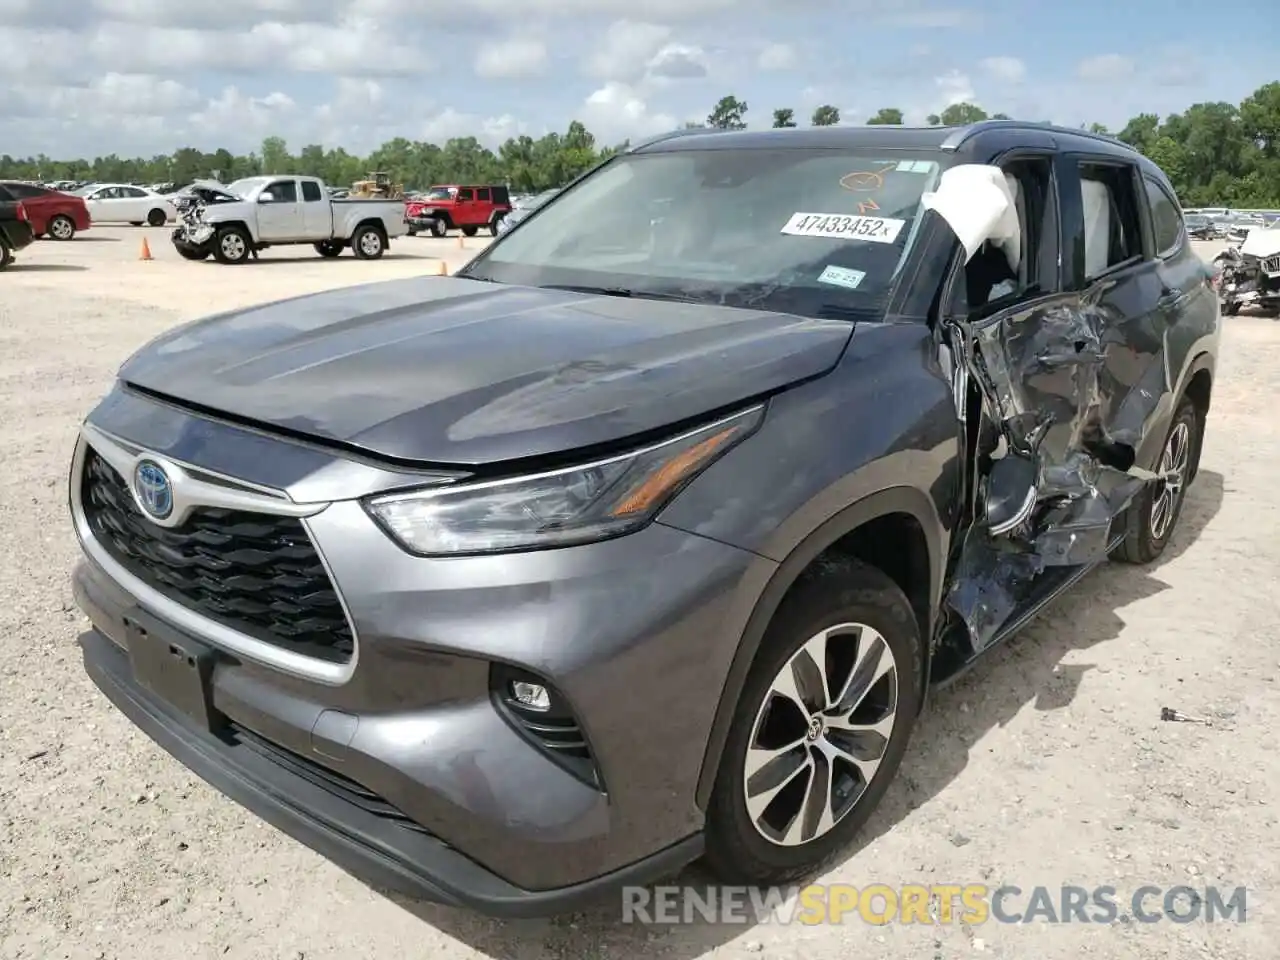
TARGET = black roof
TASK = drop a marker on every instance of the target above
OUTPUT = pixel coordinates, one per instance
(975, 143)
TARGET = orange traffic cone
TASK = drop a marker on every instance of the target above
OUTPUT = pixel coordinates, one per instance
(461, 244)
(145, 252)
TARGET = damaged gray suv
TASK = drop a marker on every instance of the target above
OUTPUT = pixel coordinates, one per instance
(643, 537)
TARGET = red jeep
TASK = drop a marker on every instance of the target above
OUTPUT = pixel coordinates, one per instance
(445, 208)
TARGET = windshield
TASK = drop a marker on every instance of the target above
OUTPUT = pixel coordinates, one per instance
(439, 193)
(241, 188)
(797, 230)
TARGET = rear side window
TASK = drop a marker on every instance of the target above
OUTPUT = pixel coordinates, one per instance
(1166, 219)
(1112, 233)
(310, 191)
(483, 194)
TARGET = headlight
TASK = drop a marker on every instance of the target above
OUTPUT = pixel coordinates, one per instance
(596, 501)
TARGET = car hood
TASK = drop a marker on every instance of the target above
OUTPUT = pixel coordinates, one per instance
(447, 370)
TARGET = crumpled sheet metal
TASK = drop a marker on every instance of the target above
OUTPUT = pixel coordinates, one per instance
(1041, 380)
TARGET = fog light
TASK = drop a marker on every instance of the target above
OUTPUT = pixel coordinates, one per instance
(531, 695)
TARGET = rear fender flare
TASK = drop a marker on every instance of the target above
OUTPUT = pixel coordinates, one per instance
(906, 500)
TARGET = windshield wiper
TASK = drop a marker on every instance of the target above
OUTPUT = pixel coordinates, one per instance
(620, 292)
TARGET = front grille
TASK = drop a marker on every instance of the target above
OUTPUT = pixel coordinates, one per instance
(1271, 264)
(256, 573)
(341, 787)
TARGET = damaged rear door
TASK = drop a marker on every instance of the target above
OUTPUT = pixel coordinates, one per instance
(1069, 383)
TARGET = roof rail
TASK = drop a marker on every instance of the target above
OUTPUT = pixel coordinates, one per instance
(673, 135)
(962, 134)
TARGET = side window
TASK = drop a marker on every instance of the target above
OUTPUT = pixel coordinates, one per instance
(466, 193)
(5, 194)
(311, 191)
(285, 191)
(1166, 219)
(23, 191)
(1112, 235)
(483, 195)
(992, 279)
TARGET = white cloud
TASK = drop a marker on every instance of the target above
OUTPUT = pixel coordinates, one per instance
(777, 56)
(510, 59)
(1105, 68)
(1006, 69)
(626, 50)
(955, 87)
(616, 112)
(677, 61)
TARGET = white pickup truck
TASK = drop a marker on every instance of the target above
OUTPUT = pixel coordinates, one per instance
(234, 222)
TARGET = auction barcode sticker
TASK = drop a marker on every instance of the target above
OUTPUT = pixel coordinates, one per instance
(835, 226)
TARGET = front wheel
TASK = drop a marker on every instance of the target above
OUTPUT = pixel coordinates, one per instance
(192, 253)
(820, 729)
(62, 227)
(156, 218)
(232, 245)
(439, 227)
(329, 248)
(368, 244)
(1150, 520)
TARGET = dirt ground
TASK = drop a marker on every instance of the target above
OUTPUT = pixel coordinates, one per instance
(1049, 765)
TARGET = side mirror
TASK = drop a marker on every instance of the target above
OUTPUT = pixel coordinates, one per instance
(266, 196)
(1011, 493)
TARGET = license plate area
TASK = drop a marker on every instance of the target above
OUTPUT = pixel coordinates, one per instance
(174, 667)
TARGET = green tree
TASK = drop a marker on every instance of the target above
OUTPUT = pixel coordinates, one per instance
(729, 114)
(825, 116)
(784, 117)
(886, 116)
(959, 114)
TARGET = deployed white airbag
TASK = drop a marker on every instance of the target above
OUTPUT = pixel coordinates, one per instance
(978, 205)
(1097, 226)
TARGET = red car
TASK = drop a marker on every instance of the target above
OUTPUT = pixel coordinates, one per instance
(464, 208)
(53, 214)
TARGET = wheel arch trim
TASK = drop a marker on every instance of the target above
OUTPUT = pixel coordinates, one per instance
(899, 499)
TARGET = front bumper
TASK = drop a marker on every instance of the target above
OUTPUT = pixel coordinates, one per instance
(636, 634)
(374, 848)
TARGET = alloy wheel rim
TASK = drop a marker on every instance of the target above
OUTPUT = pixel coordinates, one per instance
(60, 228)
(370, 243)
(233, 246)
(1173, 473)
(820, 734)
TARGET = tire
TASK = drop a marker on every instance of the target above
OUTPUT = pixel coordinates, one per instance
(6, 255)
(1231, 309)
(470, 231)
(329, 248)
(412, 232)
(495, 223)
(232, 245)
(157, 218)
(61, 227)
(368, 243)
(135, 223)
(439, 227)
(192, 253)
(838, 592)
(1146, 532)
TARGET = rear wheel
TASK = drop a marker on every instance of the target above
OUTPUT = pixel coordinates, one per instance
(820, 729)
(232, 245)
(367, 243)
(329, 248)
(1152, 516)
(495, 223)
(156, 218)
(62, 227)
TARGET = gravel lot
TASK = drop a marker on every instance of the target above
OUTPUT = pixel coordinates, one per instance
(1048, 766)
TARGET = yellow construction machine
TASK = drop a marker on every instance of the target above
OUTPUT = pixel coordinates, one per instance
(377, 187)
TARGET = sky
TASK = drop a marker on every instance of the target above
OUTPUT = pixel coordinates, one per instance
(83, 78)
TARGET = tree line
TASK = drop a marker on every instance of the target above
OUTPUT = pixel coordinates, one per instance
(1216, 154)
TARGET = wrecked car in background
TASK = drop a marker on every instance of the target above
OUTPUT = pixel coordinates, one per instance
(1249, 275)
(644, 536)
